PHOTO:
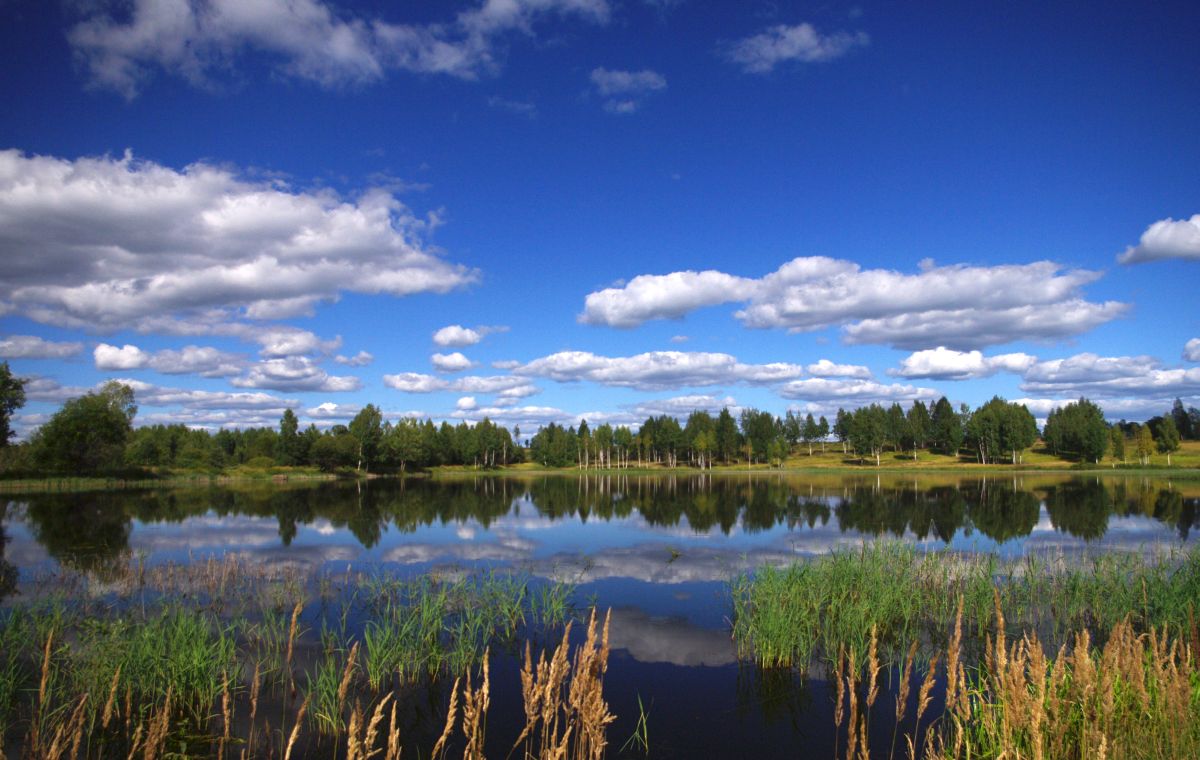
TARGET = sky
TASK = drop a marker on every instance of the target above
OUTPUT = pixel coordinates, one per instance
(554, 210)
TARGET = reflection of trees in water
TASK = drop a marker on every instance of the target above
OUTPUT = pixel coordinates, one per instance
(8, 571)
(84, 531)
(1080, 508)
(90, 530)
(1001, 511)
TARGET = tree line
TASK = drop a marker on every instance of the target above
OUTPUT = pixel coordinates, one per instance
(95, 433)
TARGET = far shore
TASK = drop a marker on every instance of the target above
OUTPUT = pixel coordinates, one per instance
(1185, 466)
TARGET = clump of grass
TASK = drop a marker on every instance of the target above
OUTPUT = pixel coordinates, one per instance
(83, 672)
(790, 616)
(1137, 696)
(565, 712)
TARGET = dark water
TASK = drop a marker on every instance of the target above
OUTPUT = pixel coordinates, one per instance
(658, 550)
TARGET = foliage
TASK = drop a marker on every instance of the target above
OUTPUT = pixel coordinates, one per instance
(89, 433)
(12, 398)
(945, 428)
(1077, 428)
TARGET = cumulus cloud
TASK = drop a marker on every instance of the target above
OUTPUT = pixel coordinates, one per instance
(857, 392)
(113, 358)
(200, 360)
(1127, 408)
(942, 363)
(668, 296)
(457, 336)
(624, 91)
(361, 359)
(527, 417)
(826, 368)
(681, 406)
(956, 306)
(332, 411)
(149, 394)
(306, 39)
(1191, 351)
(33, 347)
(452, 362)
(762, 52)
(1166, 239)
(104, 243)
(294, 373)
(656, 370)
(1094, 376)
(466, 404)
(415, 382)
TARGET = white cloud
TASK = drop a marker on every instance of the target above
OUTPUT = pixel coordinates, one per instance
(103, 243)
(466, 404)
(679, 339)
(859, 391)
(945, 364)
(330, 410)
(762, 52)
(457, 336)
(306, 39)
(1095, 376)
(956, 306)
(1166, 239)
(33, 347)
(668, 296)
(149, 394)
(681, 406)
(826, 368)
(1191, 351)
(361, 359)
(656, 370)
(624, 91)
(200, 360)
(415, 382)
(452, 362)
(1127, 408)
(113, 358)
(294, 373)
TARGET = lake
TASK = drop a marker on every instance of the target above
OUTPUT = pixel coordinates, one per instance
(659, 550)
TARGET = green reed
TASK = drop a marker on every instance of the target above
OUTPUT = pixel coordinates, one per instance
(810, 610)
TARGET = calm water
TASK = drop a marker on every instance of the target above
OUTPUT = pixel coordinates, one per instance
(658, 550)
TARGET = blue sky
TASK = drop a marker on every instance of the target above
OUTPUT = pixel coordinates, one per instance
(619, 208)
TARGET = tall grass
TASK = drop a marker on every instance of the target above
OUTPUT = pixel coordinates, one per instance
(811, 610)
(178, 659)
(1137, 696)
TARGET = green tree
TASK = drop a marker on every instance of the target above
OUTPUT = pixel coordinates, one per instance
(289, 442)
(366, 429)
(868, 431)
(918, 426)
(727, 435)
(1116, 443)
(1144, 441)
(945, 428)
(1077, 428)
(810, 432)
(1167, 438)
(12, 398)
(841, 427)
(88, 434)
